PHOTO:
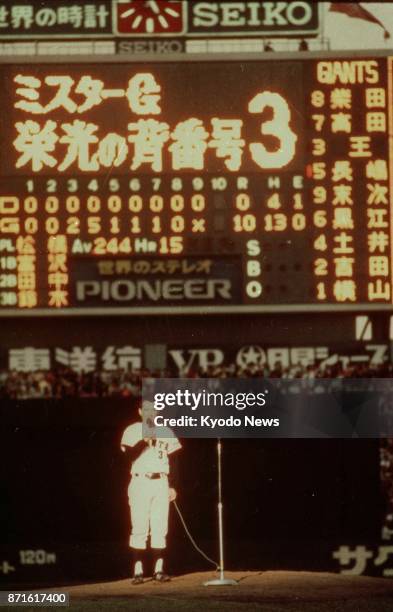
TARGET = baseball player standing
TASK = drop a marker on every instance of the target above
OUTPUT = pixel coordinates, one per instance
(149, 493)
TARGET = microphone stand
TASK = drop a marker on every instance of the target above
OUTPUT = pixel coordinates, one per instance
(221, 581)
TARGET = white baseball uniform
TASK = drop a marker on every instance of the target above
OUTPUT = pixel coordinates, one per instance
(148, 491)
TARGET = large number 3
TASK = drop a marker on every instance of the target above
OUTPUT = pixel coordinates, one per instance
(277, 127)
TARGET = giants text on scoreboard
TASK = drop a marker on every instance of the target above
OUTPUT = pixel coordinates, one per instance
(228, 183)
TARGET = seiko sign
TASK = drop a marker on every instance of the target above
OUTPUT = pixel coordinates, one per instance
(253, 18)
(175, 18)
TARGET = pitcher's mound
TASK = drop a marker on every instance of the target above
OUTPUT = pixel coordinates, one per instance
(272, 590)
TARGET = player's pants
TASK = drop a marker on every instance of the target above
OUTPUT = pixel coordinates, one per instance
(149, 505)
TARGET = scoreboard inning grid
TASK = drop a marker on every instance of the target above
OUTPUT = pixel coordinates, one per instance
(179, 186)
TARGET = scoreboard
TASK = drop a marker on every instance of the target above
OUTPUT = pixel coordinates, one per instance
(166, 186)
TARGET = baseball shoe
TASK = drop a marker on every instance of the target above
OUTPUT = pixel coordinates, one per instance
(161, 577)
(137, 579)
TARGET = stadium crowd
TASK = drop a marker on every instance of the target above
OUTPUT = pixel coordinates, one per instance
(64, 383)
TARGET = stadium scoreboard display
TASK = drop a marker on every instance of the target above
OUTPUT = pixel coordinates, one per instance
(228, 184)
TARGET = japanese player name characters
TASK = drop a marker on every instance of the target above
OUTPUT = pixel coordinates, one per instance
(349, 174)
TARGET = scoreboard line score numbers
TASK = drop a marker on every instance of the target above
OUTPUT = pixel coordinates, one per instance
(219, 183)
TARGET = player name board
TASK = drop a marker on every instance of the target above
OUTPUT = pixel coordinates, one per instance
(230, 184)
